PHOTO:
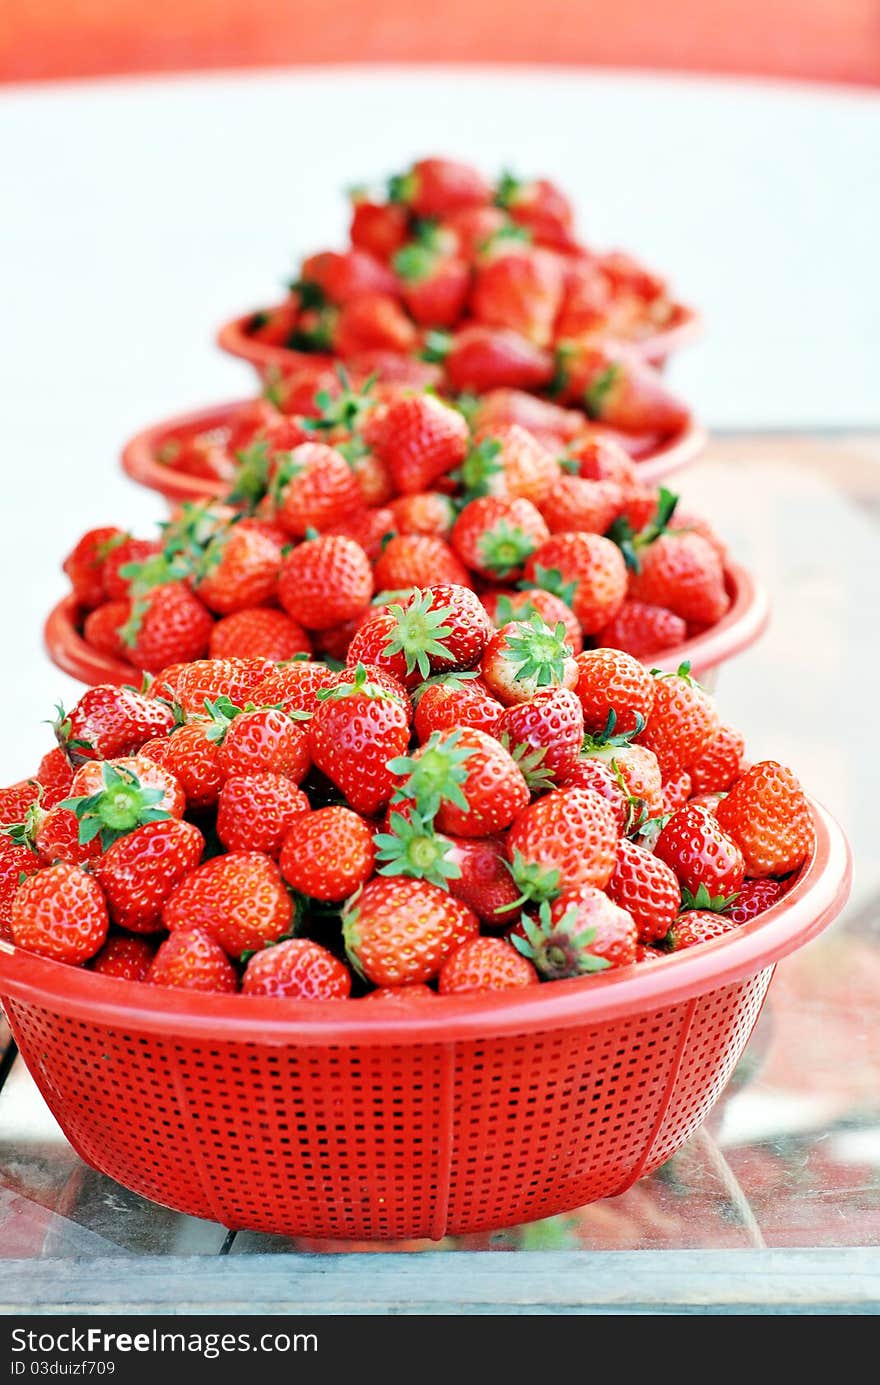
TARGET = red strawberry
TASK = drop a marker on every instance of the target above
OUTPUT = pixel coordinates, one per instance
(314, 486)
(348, 677)
(373, 322)
(127, 959)
(369, 528)
(436, 187)
(15, 802)
(110, 797)
(420, 438)
(109, 721)
(466, 779)
(451, 702)
(442, 628)
(418, 560)
(191, 960)
(435, 286)
(258, 632)
(130, 552)
(401, 931)
(700, 852)
(485, 964)
(525, 656)
(565, 839)
(586, 305)
(636, 770)
(684, 721)
(767, 814)
(485, 883)
(255, 812)
(329, 854)
(695, 927)
(325, 581)
(587, 571)
(642, 630)
(60, 913)
(600, 458)
(646, 953)
(356, 730)
(494, 536)
(676, 791)
(472, 227)
(581, 933)
(293, 688)
(424, 512)
(589, 773)
(84, 565)
(15, 861)
(720, 763)
(755, 896)
(616, 389)
(402, 995)
(341, 277)
(578, 504)
(239, 568)
(511, 463)
(167, 625)
(379, 227)
(55, 776)
(646, 887)
(610, 681)
(102, 629)
(538, 417)
(206, 680)
(683, 573)
(193, 757)
(518, 287)
(506, 606)
(296, 969)
(238, 899)
(265, 741)
(538, 205)
(141, 870)
(544, 735)
(480, 358)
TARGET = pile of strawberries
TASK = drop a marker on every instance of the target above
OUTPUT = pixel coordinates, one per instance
(459, 809)
(472, 286)
(334, 515)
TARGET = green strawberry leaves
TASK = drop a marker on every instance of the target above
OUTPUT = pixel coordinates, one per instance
(419, 632)
(538, 652)
(413, 848)
(119, 806)
(435, 775)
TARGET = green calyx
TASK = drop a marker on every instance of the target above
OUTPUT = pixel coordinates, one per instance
(310, 294)
(596, 394)
(508, 190)
(550, 579)
(286, 468)
(402, 187)
(318, 336)
(412, 847)
(360, 685)
(71, 745)
(454, 682)
(531, 760)
(504, 548)
(436, 346)
(559, 950)
(683, 671)
(435, 775)
(647, 830)
(510, 235)
(155, 571)
(252, 475)
(537, 884)
(119, 806)
(607, 737)
(342, 410)
(186, 538)
(717, 904)
(562, 368)
(419, 632)
(479, 466)
(24, 833)
(415, 263)
(631, 542)
(538, 653)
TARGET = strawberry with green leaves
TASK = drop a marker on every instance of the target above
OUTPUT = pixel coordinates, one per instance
(605, 779)
(449, 700)
(683, 573)
(167, 624)
(611, 681)
(113, 797)
(564, 839)
(526, 656)
(439, 629)
(84, 566)
(586, 571)
(238, 899)
(142, 869)
(767, 814)
(357, 729)
(190, 959)
(313, 486)
(695, 927)
(60, 913)
(434, 284)
(613, 387)
(399, 931)
(193, 757)
(483, 882)
(684, 721)
(485, 964)
(466, 780)
(258, 740)
(238, 569)
(495, 536)
(518, 286)
(108, 721)
(328, 854)
(510, 463)
(539, 206)
(544, 736)
(695, 846)
(581, 933)
(435, 187)
(325, 581)
(411, 846)
(479, 358)
(505, 606)
(296, 969)
(207, 680)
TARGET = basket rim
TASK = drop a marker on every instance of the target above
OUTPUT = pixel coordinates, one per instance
(810, 905)
(745, 620)
(138, 457)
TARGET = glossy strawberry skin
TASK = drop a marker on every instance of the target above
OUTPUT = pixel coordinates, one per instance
(548, 729)
(321, 489)
(493, 786)
(255, 812)
(767, 814)
(418, 560)
(169, 625)
(683, 573)
(55, 775)
(578, 504)
(56, 838)
(296, 969)
(435, 187)
(400, 931)
(142, 869)
(611, 681)
(695, 927)
(352, 738)
(266, 741)
(420, 439)
(585, 909)
(646, 888)
(720, 763)
(102, 629)
(642, 629)
(676, 791)
(594, 564)
(109, 721)
(240, 569)
(684, 721)
(294, 688)
(129, 551)
(493, 536)
(485, 884)
(440, 707)
(424, 512)
(325, 581)
(206, 680)
(505, 606)
(190, 959)
(636, 769)
(238, 899)
(485, 358)
(15, 861)
(755, 896)
(329, 854)
(126, 959)
(258, 632)
(589, 773)
(485, 964)
(60, 913)
(572, 831)
(194, 760)
(700, 852)
(84, 565)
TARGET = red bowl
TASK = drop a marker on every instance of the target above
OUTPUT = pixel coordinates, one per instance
(344, 1119)
(140, 456)
(685, 326)
(745, 620)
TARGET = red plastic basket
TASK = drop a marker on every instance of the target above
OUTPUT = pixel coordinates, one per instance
(685, 326)
(340, 1120)
(140, 456)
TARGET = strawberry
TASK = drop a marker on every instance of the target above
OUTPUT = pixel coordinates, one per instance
(755, 896)
(480, 358)
(435, 286)
(55, 836)
(191, 960)
(676, 791)
(130, 552)
(423, 512)
(503, 408)
(646, 953)
(337, 278)
(506, 606)
(518, 287)
(293, 687)
(544, 735)
(448, 702)
(581, 933)
(193, 757)
(484, 882)
(16, 861)
(575, 503)
(485, 964)
(472, 227)
(442, 628)
(356, 730)
(700, 852)
(589, 773)
(625, 272)
(109, 721)
(238, 899)
(614, 388)
(645, 886)
(325, 581)
(313, 486)
(720, 763)
(370, 528)
(538, 205)
(585, 311)
(15, 802)
(102, 629)
(767, 814)
(112, 797)
(142, 869)
(401, 931)
(523, 657)
(466, 779)
(586, 570)
(642, 629)
(402, 995)
(635, 769)
(565, 839)
(600, 458)
(60, 913)
(420, 439)
(255, 812)
(262, 741)
(494, 537)
(374, 322)
(695, 927)
(410, 846)
(126, 959)
(684, 574)
(166, 625)
(329, 854)
(207, 680)
(511, 463)
(684, 721)
(418, 560)
(54, 776)
(258, 632)
(384, 680)
(378, 227)
(436, 187)
(611, 681)
(239, 568)
(84, 565)
(296, 969)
